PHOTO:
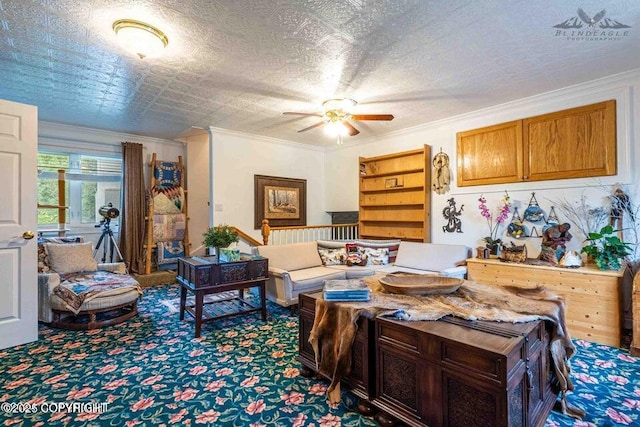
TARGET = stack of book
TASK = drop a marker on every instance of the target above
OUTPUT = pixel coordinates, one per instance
(346, 290)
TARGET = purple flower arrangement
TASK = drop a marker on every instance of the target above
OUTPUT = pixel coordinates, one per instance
(495, 223)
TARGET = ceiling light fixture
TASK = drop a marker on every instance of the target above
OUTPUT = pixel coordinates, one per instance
(341, 104)
(335, 128)
(140, 38)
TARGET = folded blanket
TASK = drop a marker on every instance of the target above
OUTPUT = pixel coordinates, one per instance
(169, 227)
(167, 200)
(77, 288)
(335, 327)
(169, 252)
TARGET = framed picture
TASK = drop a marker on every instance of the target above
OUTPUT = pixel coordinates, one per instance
(394, 182)
(283, 201)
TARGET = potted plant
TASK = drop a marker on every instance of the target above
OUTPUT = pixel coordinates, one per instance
(492, 240)
(220, 236)
(606, 248)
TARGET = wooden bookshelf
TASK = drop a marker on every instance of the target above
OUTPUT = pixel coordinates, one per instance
(395, 197)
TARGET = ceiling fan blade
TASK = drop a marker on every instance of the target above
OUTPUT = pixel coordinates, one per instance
(312, 126)
(372, 117)
(303, 114)
(352, 130)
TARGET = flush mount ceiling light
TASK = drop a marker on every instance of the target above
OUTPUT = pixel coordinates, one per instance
(140, 38)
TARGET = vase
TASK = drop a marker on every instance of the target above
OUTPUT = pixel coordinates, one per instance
(214, 253)
(494, 248)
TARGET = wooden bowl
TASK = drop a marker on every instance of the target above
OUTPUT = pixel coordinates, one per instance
(420, 284)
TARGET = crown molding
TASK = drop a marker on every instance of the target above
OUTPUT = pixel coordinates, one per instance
(69, 133)
(266, 139)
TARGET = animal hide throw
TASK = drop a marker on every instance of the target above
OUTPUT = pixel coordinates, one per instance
(334, 327)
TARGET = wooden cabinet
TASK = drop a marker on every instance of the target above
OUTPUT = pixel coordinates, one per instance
(574, 143)
(592, 295)
(395, 196)
(491, 155)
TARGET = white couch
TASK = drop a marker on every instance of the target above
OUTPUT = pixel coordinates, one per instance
(297, 267)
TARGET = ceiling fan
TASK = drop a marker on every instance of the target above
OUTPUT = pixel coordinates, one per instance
(337, 117)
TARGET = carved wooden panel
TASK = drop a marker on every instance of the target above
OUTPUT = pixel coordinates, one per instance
(469, 406)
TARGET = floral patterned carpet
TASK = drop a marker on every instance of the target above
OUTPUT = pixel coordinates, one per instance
(150, 371)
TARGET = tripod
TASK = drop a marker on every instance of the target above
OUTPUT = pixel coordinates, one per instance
(110, 244)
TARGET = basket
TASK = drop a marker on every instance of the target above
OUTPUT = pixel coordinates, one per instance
(514, 253)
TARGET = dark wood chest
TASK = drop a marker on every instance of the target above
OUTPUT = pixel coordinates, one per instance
(450, 372)
(206, 271)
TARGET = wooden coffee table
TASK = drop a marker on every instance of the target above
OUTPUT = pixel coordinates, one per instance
(205, 275)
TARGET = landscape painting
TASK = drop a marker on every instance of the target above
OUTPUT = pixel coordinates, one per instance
(282, 201)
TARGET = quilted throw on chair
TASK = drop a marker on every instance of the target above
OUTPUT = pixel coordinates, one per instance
(77, 288)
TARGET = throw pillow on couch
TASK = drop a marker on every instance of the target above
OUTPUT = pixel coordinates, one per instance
(362, 253)
(336, 256)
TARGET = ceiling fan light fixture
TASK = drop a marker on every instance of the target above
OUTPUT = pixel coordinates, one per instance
(342, 104)
(336, 128)
(140, 38)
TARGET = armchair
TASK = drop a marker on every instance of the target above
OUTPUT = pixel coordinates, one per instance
(82, 294)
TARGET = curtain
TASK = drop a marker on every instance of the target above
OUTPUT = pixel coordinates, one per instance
(132, 223)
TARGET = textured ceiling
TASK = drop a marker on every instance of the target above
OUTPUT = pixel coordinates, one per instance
(238, 65)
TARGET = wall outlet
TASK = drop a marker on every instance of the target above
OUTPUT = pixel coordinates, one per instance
(219, 207)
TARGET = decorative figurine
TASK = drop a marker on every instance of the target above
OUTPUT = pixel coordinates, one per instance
(554, 242)
(451, 214)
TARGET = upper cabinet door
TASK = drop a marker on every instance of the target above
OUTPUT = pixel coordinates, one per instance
(575, 143)
(490, 155)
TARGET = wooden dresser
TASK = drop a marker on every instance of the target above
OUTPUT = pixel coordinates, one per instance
(592, 295)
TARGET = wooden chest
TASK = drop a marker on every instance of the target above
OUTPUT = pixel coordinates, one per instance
(447, 373)
(206, 271)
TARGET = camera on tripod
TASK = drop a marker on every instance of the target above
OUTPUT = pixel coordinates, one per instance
(108, 212)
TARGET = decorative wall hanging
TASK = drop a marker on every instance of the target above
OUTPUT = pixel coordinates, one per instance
(551, 220)
(516, 228)
(283, 201)
(534, 232)
(451, 215)
(534, 212)
(441, 174)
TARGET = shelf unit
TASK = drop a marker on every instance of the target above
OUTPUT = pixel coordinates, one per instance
(395, 196)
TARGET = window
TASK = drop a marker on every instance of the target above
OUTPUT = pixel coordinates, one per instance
(90, 182)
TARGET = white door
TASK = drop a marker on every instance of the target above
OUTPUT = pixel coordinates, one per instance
(18, 218)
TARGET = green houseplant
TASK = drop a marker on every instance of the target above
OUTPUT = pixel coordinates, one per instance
(219, 236)
(606, 248)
